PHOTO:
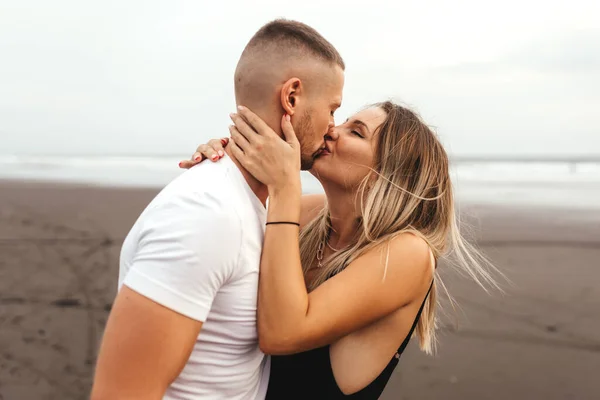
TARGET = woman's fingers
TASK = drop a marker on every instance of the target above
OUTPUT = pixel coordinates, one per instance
(255, 122)
(237, 152)
(243, 127)
(196, 158)
(240, 140)
(213, 150)
(187, 164)
(271, 160)
(288, 130)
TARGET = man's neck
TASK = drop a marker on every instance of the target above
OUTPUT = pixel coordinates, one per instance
(259, 188)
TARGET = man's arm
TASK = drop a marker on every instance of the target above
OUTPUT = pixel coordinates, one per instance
(186, 249)
(145, 347)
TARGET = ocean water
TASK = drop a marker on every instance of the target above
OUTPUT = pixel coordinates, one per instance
(548, 183)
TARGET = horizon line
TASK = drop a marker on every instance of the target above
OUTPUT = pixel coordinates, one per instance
(583, 158)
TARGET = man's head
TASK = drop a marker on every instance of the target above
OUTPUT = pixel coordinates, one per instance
(288, 67)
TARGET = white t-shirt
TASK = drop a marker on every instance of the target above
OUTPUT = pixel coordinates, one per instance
(196, 250)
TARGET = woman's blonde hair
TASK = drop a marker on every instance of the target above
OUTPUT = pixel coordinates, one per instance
(407, 190)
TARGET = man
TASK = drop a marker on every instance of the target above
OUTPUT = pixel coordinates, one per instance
(183, 325)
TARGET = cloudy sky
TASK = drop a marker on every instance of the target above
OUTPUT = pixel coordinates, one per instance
(512, 77)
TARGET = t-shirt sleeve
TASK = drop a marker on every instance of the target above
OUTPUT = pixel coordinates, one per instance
(188, 248)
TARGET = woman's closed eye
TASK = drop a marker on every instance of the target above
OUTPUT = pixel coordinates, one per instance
(357, 133)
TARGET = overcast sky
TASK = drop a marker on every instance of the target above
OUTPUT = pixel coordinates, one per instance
(153, 77)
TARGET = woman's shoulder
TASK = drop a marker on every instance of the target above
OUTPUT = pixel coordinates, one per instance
(408, 244)
(412, 242)
(407, 256)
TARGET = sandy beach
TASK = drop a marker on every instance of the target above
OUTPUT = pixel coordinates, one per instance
(59, 249)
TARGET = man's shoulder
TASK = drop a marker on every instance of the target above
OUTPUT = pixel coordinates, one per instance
(204, 182)
(212, 175)
(192, 199)
(220, 179)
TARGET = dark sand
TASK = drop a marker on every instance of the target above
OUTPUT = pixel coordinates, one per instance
(59, 249)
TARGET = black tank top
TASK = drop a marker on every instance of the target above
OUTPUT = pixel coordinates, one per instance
(308, 375)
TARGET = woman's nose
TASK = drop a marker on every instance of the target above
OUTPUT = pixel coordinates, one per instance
(332, 134)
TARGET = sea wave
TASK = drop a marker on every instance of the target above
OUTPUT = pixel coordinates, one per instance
(538, 182)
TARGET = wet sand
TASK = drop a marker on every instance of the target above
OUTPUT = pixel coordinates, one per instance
(59, 249)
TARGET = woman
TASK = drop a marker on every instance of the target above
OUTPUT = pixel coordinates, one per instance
(340, 298)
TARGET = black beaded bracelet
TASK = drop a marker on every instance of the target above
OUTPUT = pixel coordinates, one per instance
(283, 222)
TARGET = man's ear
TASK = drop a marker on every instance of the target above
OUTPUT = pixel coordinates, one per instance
(290, 95)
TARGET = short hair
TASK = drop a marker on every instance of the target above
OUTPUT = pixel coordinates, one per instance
(293, 34)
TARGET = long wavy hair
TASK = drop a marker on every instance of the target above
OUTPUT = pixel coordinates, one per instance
(407, 190)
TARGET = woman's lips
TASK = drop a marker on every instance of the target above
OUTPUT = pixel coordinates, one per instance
(323, 152)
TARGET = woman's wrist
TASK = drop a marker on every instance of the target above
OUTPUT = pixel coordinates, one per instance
(286, 189)
(284, 203)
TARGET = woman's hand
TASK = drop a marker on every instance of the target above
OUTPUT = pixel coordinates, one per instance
(269, 158)
(214, 150)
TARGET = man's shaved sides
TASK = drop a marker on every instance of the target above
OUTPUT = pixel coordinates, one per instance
(280, 50)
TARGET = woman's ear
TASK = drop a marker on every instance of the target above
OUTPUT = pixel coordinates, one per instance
(290, 95)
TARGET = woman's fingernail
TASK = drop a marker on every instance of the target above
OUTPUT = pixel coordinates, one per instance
(214, 157)
(287, 116)
(197, 158)
(221, 154)
(231, 115)
(241, 108)
(180, 164)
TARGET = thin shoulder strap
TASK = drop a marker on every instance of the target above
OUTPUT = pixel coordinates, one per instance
(414, 325)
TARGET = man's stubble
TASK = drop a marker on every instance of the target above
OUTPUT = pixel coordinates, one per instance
(305, 131)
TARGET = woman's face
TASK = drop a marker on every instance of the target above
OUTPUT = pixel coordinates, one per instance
(350, 150)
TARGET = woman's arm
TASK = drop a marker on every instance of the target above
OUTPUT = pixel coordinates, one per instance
(290, 319)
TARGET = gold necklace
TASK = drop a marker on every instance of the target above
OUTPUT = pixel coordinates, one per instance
(328, 245)
(320, 254)
(321, 250)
